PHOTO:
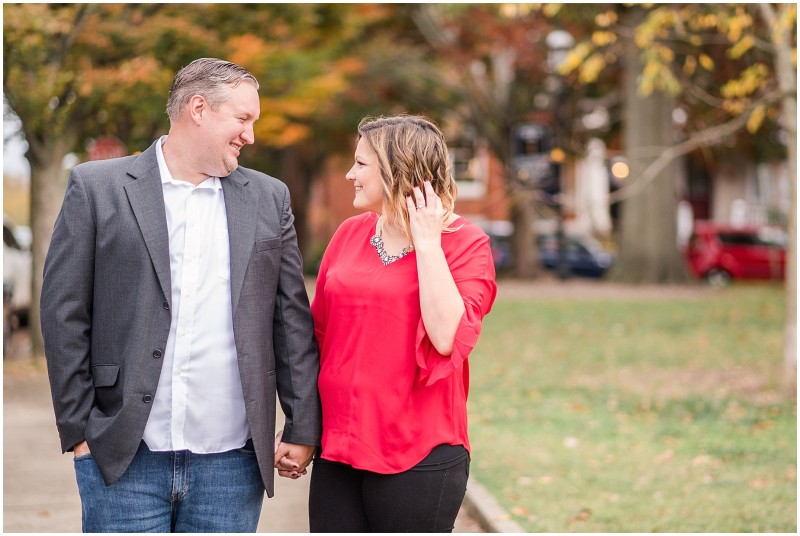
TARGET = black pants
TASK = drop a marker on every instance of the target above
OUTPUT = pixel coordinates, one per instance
(344, 499)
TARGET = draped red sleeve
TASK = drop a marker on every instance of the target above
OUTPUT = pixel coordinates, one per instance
(474, 275)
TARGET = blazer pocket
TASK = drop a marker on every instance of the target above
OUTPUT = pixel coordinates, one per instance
(269, 243)
(105, 375)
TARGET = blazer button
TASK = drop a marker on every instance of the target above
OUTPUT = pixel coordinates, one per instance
(157, 354)
(166, 306)
(147, 398)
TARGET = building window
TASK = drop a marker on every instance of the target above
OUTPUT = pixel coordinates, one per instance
(469, 171)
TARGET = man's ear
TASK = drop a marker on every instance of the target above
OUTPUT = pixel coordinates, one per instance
(196, 106)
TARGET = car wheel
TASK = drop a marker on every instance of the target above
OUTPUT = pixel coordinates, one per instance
(717, 277)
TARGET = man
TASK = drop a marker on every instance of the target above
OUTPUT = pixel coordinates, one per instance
(173, 307)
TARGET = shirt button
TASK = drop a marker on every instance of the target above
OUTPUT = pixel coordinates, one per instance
(148, 398)
(157, 354)
(166, 306)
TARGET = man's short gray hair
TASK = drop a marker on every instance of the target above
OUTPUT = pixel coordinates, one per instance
(210, 78)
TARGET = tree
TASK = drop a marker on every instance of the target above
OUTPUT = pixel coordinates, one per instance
(491, 62)
(74, 72)
(733, 68)
(69, 72)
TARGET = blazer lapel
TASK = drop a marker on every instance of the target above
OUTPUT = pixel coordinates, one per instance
(242, 217)
(146, 196)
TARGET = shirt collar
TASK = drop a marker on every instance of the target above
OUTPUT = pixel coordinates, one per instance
(166, 177)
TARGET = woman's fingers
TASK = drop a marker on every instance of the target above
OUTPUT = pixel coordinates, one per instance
(419, 198)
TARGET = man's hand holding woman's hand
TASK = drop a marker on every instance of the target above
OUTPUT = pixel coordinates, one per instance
(292, 459)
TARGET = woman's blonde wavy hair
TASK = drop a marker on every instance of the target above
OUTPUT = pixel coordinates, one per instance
(411, 149)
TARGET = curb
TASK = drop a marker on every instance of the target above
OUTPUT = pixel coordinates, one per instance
(486, 511)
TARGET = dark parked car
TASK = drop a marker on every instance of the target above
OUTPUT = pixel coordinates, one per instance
(17, 274)
(719, 253)
(585, 256)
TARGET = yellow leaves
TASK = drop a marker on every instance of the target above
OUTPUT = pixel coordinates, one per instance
(656, 75)
(756, 118)
(748, 82)
(743, 45)
(575, 58)
(706, 62)
(703, 22)
(551, 10)
(690, 65)
(606, 19)
(787, 19)
(735, 25)
(665, 53)
(591, 68)
(602, 39)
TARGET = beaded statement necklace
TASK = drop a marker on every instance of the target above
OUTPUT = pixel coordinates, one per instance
(377, 242)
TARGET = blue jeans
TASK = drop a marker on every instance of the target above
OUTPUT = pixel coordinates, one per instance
(174, 492)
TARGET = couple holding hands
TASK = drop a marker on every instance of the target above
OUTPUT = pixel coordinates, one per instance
(174, 309)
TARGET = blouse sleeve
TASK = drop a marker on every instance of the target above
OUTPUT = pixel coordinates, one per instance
(474, 275)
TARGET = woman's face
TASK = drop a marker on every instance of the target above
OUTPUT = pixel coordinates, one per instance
(366, 178)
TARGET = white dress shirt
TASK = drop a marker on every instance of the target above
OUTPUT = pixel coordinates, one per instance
(199, 404)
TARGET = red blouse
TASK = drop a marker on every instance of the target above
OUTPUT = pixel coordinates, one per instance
(388, 397)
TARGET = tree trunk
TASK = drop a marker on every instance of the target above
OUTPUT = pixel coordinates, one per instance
(649, 250)
(523, 245)
(48, 182)
(790, 322)
(295, 175)
(787, 80)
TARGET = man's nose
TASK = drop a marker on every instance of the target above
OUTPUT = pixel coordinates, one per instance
(249, 135)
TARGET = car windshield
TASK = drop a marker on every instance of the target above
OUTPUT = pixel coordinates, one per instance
(765, 237)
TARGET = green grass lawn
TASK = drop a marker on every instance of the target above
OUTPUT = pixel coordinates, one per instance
(651, 415)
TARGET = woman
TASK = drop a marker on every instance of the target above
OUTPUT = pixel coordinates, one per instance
(401, 293)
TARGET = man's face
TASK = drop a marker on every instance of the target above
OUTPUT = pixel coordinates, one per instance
(228, 129)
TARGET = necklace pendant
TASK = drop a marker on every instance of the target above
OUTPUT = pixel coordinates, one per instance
(377, 242)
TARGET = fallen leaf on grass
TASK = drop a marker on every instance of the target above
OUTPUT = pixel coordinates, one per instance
(764, 425)
(583, 515)
(520, 511)
(701, 460)
(665, 456)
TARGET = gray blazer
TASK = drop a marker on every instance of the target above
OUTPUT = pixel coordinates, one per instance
(105, 310)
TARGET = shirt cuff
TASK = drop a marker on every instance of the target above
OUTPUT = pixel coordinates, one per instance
(435, 366)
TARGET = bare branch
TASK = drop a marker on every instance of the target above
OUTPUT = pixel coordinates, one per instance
(60, 52)
(702, 138)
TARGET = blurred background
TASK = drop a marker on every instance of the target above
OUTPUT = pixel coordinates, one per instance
(634, 166)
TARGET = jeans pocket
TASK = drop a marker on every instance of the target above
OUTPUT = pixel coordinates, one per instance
(87, 456)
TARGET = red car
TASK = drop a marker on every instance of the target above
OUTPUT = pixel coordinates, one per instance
(719, 253)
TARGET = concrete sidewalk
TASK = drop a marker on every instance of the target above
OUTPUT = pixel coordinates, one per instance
(39, 489)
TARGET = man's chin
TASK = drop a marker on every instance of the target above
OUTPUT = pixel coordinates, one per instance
(229, 167)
